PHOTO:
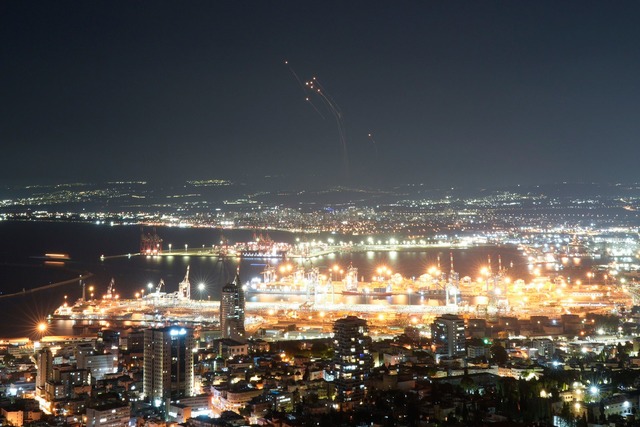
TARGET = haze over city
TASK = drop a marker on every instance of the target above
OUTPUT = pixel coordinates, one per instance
(289, 214)
(439, 93)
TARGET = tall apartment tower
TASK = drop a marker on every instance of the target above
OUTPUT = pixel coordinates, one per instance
(232, 310)
(352, 360)
(44, 361)
(168, 364)
(448, 335)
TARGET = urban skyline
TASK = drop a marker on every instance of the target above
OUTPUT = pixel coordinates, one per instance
(530, 317)
(411, 214)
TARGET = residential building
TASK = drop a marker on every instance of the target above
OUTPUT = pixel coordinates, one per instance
(232, 308)
(352, 360)
(98, 364)
(448, 335)
(44, 364)
(168, 364)
(109, 414)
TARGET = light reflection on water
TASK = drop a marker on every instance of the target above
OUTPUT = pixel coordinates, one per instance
(133, 274)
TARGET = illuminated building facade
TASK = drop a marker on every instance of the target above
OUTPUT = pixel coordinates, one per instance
(352, 360)
(98, 364)
(44, 360)
(448, 335)
(168, 364)
(108, 414)
(232, 309)
(67, 390)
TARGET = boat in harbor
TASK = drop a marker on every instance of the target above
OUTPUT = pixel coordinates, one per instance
(381, 287)
(155, 307)
(262, 247)
(285, 281)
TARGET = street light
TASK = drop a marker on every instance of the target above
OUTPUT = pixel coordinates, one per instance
(42, 327)
(169, 247)
(201, 288)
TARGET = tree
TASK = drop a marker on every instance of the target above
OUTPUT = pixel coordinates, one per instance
(9, 359)
(582, 422)
(467, 384)
(499, 354)
(565, 412)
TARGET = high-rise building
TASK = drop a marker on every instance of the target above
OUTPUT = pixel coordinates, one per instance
(168, 364)
(352, 360)
(44, 360)
(232, 310)
(448, 335)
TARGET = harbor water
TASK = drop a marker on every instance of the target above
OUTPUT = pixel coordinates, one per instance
(24, 270)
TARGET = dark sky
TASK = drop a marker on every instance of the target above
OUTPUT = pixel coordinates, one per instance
(467, 93)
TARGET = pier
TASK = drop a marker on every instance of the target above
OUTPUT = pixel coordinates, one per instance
(295, 253)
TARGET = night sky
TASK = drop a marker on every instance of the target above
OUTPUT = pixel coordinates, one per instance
(475, 93)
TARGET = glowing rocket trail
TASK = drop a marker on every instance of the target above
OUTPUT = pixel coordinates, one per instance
(303, 88)
(315, 87)
(334, 109)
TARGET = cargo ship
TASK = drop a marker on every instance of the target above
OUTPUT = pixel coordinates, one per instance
(156, 307)
(262, 247)
(285, 281)
(290, 280)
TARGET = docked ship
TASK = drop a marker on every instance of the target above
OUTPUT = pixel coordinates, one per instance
(156, 307)
(289, 282)
(376, 289)
(262, 247)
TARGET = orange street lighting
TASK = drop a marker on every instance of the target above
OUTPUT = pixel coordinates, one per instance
(42, 328)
